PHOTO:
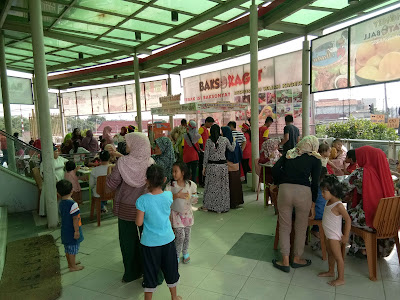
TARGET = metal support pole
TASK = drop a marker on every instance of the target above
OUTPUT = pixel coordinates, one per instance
(6, 105)
(60, 104)
(254, 89)
(169, 93)
(35, 102)
(49, 184)
(306, 87)
(137, 90)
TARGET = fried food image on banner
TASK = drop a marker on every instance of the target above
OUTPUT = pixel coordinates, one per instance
(380, 61)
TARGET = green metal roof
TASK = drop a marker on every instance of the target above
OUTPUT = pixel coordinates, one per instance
(106, 30)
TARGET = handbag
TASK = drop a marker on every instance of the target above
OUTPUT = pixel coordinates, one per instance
(190, 139)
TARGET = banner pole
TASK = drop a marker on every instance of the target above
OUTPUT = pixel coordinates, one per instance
(305, 87)
(254, 89)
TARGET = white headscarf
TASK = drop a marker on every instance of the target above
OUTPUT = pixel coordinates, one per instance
(309, 144)
(133, 166)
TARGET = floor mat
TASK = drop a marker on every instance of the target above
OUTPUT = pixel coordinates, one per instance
(255, 246)
(32, 270)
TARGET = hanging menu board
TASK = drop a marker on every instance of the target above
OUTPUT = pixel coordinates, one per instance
(19, 90)
(116, 99)
(84, 102)
(375, 50)
(69, 104)
(100, 101)
(329, 62)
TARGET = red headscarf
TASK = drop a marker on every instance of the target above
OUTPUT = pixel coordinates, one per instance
(377, 179)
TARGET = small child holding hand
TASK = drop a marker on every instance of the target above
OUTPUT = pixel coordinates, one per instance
(71, 232)
(334, 213)
(184, 193)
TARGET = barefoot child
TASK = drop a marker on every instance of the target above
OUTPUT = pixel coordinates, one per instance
(158, 246)
(182, 219)
(334, 212)
(71, 232)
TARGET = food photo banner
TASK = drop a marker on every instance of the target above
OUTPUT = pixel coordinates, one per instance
(329, 62)
(116, 99)
(362, 54)
(279, 92)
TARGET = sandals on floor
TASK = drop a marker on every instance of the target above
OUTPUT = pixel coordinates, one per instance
(285, 269)
(203, 209)
(296, 266)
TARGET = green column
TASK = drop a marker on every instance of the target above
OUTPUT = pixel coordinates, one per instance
(169, 93)
(254, 88)
(137, 90)
(49, 186)
(6, 104)
(306, 87)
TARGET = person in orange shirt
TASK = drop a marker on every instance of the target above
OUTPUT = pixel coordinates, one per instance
(264, 131)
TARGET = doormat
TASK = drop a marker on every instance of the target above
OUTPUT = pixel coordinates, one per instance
(32, 270)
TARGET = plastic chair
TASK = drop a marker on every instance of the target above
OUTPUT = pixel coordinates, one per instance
(386, 223)
(104, 194)
(39, 182)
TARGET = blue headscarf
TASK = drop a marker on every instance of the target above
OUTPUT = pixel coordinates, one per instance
(235, 156)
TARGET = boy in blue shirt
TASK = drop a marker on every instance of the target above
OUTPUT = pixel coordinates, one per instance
(71, 232)
(158, 247)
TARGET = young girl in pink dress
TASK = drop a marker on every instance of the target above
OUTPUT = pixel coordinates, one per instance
(184, 194)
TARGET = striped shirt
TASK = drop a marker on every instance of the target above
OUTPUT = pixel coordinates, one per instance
(239, 136)
(124, 206)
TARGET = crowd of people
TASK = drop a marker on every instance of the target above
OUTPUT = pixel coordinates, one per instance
(156, 185)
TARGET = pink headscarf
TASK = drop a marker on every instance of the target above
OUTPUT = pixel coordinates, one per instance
(133, 166)
(107, 135)
(270, 150)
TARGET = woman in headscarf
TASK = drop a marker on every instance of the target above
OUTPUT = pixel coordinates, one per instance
(233, 159)
(128, 177)
(164, 155)
(368, 185)
(120, 137)
(269, 155)
(107, 135)
(90, 143)
(191, 148)
(246, 161)
(67, 144)
(59, 164)
(215, 168)
(76, 136)
(296, 191)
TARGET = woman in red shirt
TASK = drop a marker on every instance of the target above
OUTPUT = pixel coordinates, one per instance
(246, 160)
(191, 148)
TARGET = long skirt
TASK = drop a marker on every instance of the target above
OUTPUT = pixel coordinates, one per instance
(130, 249)
(357, 214)
(235, 189)
(216, 190)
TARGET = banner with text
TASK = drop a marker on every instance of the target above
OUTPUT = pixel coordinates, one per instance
(279, 86)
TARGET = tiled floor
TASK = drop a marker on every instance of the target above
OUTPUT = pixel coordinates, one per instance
(230, 259)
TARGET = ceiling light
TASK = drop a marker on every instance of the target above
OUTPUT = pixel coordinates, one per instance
(174, 16)
(138, 36)
(70, 84)
(184, 61)
(115, 76)
(80, 55)
(224, 48)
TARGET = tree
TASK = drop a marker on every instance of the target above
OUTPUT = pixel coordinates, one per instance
(90, 123)
(16, 124)
(357, 129)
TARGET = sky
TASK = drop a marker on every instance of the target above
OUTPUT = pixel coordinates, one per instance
(375, 91)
